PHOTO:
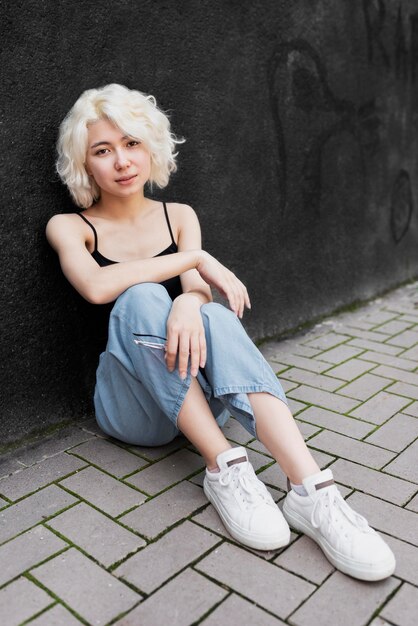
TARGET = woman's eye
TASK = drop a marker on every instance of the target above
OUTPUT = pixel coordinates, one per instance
(102, 151)
(133, 143)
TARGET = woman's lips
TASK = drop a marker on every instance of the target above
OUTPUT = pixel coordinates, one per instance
(126, 180)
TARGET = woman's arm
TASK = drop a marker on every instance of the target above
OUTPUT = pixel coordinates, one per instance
(104, 284)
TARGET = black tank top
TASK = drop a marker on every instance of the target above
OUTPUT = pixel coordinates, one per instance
(173, 285)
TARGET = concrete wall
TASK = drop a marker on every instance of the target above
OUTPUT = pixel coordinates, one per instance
(301, 160)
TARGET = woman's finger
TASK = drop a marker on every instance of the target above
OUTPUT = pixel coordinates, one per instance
(203, 353)
(243, 298)
(247, 298)
(237, 296)
(240, 299)
(238, 288)
(171, 348)
(202, 342)
(184, 348)
(231, 300)
(194, 354)
(243, 292)
(231, 295)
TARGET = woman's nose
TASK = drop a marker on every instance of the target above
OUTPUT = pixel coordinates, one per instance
(122, 160)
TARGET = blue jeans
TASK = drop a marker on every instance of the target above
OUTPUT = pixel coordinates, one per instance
(137, 400)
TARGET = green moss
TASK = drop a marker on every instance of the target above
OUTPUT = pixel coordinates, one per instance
(38, 434)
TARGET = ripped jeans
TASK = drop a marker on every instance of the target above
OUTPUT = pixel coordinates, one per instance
(137, 400)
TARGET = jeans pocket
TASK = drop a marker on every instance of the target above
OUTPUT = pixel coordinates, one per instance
(147, 340)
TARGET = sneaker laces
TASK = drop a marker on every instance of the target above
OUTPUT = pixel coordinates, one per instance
(328, 507)
(251, 489)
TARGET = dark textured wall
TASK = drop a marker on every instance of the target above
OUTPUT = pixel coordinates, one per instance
(301, 160)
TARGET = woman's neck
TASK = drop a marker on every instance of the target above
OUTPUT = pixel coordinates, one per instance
(113, 207)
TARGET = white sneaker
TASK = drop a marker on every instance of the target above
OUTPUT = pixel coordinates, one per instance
(246, 508)
(345, 536)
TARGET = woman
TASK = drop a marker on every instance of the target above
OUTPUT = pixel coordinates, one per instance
(174, 360)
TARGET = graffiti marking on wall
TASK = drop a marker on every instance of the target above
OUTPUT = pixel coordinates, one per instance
(298, 81)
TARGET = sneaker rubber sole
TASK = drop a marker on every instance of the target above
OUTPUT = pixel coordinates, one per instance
(248, 538)
(363, 571)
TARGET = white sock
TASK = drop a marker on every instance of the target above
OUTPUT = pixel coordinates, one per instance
(299, 489)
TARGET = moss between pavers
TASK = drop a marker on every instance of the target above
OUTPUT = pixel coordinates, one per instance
(54, 597)
(35, 435)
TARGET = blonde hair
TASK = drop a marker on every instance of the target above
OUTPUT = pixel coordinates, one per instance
(135, 114)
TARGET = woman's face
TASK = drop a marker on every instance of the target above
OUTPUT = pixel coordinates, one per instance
(119, 164)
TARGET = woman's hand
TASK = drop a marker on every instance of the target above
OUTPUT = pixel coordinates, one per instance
(225, 281)
(185, 336)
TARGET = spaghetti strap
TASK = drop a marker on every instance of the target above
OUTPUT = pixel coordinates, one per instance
(168, 223)
(93, 229)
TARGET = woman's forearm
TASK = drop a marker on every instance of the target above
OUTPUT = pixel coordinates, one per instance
(107, 283)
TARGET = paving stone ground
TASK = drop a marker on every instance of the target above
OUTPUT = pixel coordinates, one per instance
(96, 532)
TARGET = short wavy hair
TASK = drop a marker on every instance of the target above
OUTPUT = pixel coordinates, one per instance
(135, 114)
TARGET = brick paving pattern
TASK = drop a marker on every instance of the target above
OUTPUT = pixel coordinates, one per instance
(96, 532)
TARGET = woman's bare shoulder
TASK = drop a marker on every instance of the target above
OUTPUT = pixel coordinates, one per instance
(181, 211)
(64, 219)
(182, 217)
(64, 226)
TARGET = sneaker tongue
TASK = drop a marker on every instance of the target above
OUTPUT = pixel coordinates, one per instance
(319, 481)
(231, 457)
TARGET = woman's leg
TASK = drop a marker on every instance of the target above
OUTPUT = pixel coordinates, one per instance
(278, 431)
(240, 498)
(240, 376)
(196, 422)
(242, 379)
(135, 351)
